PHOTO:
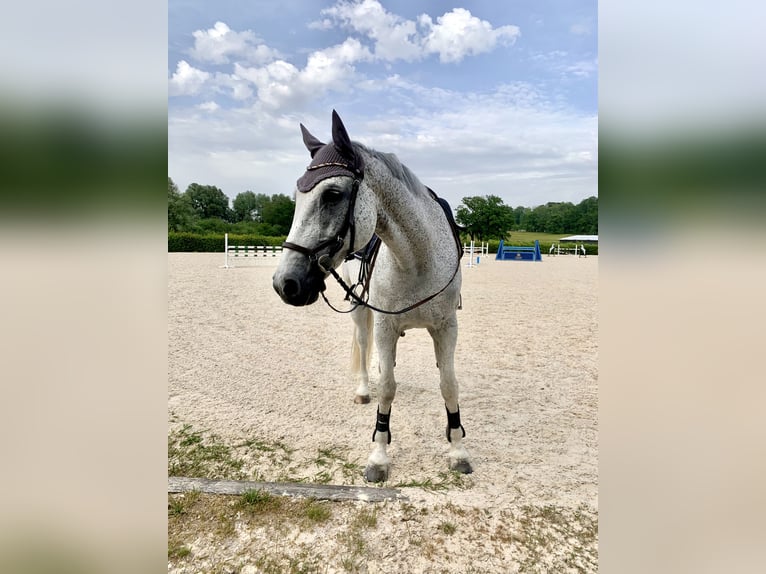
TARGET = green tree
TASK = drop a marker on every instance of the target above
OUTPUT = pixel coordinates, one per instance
(208, 201)
(245, 207)
(278, 212)
(532, 220)
(564, 217)
(519, 215)
(248, 206)
(587, 216)
(485, 217)
(180, 212)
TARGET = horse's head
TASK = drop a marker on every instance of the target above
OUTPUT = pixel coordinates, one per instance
(333, 217)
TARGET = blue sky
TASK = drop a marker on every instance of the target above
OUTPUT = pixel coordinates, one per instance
(476, 97)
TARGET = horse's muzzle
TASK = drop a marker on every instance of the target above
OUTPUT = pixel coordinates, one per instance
(299, 290)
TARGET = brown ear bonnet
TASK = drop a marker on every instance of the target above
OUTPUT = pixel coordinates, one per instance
(332, 159)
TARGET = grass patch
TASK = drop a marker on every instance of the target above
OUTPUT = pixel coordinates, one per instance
(192, 454)
(444, 481)
(277, 453)
(366, 519)
(544, 529)
(197, 453)
(531, 538)
(353, 539)
(181, 503)
(257, 500)
(303, 562)
(333, 461)
(178, 551)
(316, 512)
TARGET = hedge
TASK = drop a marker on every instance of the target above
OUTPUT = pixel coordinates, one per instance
(214, 242)
(590, 248)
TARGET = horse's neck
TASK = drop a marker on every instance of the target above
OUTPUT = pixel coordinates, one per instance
(404, 216)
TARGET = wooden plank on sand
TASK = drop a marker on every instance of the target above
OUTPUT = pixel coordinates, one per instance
(318, 491)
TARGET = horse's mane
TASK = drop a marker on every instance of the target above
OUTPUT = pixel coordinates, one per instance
(397, 168)
(402, 173)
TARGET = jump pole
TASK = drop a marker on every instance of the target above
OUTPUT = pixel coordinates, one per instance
(472, 251)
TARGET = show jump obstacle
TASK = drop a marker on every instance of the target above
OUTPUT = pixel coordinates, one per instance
(237, 251)
(517, 253)
(475, 252)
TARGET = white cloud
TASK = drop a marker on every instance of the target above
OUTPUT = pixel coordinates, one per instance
(274, 83)
(280, 84)
(513, 142)
(583, 68)
(219, 44)
(561, 63)
(324, 24)
(208, 106)
(187, 80)
(458, 34)
(394, 37)
(233, 86)
(455, 35)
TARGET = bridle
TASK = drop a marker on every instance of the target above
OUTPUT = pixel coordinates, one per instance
(335, 243)
(369, 255)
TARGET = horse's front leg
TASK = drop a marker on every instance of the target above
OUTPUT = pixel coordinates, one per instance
(360, 353)
(445, 339)
(378, 463)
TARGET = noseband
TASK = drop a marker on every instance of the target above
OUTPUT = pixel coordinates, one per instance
(335, 243)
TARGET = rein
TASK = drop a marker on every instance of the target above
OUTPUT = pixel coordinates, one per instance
(359, 301)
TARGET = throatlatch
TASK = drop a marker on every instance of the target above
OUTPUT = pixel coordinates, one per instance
(453, 423)
(381, 425)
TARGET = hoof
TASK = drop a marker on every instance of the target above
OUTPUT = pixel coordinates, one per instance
(361, 399)
(461, 466)
(375, 473)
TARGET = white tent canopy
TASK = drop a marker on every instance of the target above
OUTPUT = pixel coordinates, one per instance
(582, 238)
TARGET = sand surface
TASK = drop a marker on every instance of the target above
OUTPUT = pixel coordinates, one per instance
(244, 365)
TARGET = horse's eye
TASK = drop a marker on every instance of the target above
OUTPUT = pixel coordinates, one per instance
(331, 196)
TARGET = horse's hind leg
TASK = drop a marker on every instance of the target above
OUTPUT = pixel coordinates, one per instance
(445, 338)
(378, 464)
(361, 351)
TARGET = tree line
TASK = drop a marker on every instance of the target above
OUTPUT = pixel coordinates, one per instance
(487, 217)
(205, 209)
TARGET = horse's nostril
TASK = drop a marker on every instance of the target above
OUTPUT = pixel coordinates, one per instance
(290, 288)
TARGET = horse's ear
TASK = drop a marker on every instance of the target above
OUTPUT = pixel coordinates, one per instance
(340, 136)
(312, 144)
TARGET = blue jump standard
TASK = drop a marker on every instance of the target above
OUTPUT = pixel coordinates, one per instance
(514, 253)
